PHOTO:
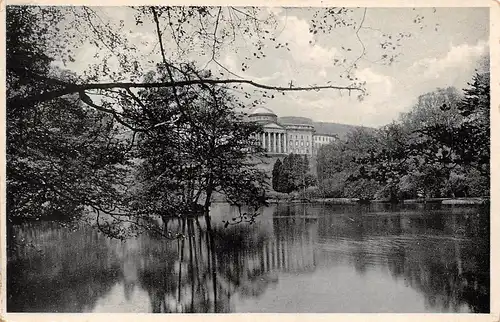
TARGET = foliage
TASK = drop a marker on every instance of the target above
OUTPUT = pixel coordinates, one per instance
(292, 174)
(438, 149)
(338, 162)
(475, 107)
(276, 175)
(364, 189)
(61, 156)
(333, 186)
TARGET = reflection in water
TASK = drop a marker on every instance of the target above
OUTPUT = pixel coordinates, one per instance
(69, 272)
(296, 258)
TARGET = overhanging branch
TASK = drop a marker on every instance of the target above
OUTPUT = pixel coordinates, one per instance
(87, 100)
(74, 88)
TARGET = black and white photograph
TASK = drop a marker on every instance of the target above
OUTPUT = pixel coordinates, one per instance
(247, 159)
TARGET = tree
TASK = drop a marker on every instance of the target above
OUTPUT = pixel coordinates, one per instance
(199, 146)
(277, 175)
(457, 142)
(61, 156)
(475, 129)
(343, 163)
(287, 182)
(331, 159)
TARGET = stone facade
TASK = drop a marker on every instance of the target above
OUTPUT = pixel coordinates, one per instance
(286, 138)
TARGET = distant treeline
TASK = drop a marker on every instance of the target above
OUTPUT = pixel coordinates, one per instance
(440, 148)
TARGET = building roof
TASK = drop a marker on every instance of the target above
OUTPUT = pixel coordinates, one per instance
(297, 120)
(273, 125)
(262, 111)
(327, 134)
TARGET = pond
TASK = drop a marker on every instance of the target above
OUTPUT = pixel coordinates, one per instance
(294, 258)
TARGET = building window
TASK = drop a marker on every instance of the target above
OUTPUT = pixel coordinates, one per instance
(297, 143)
(301, 143)
(291, 142)
(301, 137)
(307, 143)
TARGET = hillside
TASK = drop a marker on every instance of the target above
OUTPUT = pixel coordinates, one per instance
(339, 129)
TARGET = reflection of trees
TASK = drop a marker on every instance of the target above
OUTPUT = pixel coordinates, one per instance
(295, 232)
(441, 275)
(66, 272)
(199, 273)
(443, 256)
(196, 275)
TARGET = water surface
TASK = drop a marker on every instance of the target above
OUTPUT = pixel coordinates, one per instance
(295, 258)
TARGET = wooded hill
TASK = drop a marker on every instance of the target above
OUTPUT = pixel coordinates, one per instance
(338, 129)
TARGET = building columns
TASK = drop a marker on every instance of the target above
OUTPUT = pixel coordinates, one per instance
(281, 143)
(275, 142)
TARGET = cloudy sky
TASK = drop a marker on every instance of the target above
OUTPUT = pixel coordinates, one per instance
(443, 50)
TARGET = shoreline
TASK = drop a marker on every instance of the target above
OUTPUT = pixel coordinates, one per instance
(356, 201)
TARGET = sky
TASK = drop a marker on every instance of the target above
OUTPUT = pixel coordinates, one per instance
(443, 50)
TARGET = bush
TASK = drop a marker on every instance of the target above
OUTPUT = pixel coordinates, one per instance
(363, 189)
(311, 193)
(477, 185)
(333, 187)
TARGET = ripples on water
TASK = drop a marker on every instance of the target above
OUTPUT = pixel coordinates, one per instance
(296, 258)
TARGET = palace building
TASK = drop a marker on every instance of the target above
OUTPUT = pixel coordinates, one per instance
(289, 134)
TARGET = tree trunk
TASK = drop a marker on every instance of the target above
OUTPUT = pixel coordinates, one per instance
(210, 239)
